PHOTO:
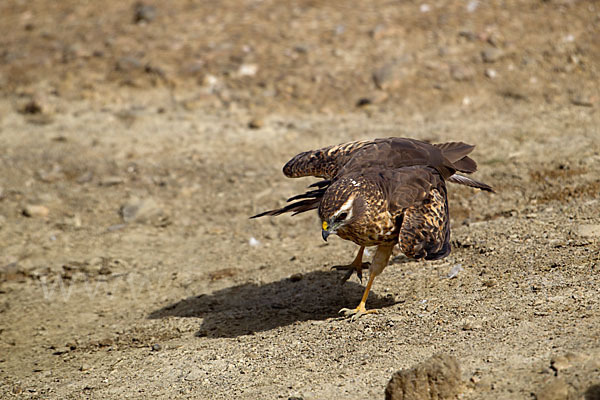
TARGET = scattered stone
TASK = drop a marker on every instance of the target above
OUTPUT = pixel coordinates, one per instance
(32, 106)
(128, 63)
(584, 100)
(471, 325)
(253, 242)
(592, 392)
(256, 123)
(195, 375)
(589, 230)
(111, 181)
(247, 70)
(513, 93)
(35, 211)
(492, 54)
(489, 283)
(85, 177)
(106, 342)
(389, 76)
(454, 271)
(490, 73)
(37, 110)
(381, 31)
(472, 5)
(462, 73)
(115, 227)
(141, 210)
(222, 273)
(557, 389)
(55, 174)
(435, 378)
(559, 363)
(375, 98)
(84, 367)
(296, 277)
(143, 13)
(156, 347)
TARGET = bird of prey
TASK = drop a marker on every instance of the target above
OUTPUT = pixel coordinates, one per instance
(382, 192)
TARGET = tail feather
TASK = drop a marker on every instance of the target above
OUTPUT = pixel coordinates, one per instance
(456, 153)
(463, 180)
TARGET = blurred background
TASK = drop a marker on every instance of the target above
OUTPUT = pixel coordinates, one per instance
(136, 138)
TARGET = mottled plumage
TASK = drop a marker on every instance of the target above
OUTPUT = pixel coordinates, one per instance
(382, 193)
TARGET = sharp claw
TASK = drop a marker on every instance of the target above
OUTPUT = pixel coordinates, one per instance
(347, 276)
(351, 268)
(356, 313)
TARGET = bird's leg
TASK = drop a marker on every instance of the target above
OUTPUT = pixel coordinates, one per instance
(380, 261)
(356, 265)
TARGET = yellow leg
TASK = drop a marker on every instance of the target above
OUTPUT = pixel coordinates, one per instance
(379, 263)
(356, 265)
(361, 309)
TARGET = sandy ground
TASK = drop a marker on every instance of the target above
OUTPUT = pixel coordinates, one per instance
(135, 144)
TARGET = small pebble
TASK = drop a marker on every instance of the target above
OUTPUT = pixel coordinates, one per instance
(454, 271)
(247, 70)
(141, 210)
(489, 283)
(589, 230)
(389, 76)
(36, 211)
(143, 13)
(490, 73)
(256, 123)
(492, 54)
(156, 347)
(296, 277)
(462, 73)
(557, 389)
(111, 181)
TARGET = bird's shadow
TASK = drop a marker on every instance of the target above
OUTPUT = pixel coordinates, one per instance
(249, 308)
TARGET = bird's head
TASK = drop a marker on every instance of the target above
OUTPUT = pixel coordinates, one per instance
(341, 205)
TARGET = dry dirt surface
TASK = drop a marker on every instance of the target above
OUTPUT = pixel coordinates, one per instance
(136, 140)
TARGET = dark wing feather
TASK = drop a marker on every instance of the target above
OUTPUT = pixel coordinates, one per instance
(417, 197)
(309, 201)
(322, 163)
(393, 153)
(463, 180)
(295, 208)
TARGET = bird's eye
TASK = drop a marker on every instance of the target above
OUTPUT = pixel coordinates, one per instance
(342, 216)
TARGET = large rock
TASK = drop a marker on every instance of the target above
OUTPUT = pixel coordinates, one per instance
(434, 379)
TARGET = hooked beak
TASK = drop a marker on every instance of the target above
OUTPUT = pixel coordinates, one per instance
(325, 232)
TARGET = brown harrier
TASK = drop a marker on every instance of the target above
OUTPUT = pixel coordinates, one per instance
(382, 193)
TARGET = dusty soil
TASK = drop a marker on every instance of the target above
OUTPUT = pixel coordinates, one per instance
(146, 137)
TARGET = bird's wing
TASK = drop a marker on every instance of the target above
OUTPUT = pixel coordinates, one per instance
(323, 163)
(417, 197)
(393, 153)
